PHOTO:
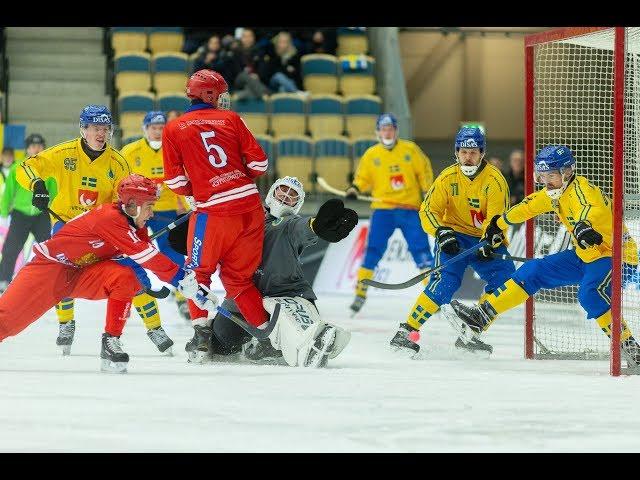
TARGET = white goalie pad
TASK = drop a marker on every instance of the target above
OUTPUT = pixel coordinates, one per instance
(298, 327)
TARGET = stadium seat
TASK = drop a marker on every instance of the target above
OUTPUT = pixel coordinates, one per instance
(132, 72)
(295, 158)
(169, 72)
(173, 101)
(165, 39)
(287, 114)
(332, 160)
(132, 108)
(357, 75)
(361, 114)
(352, 41)
(254, 113)
(128, 39)
(264, 181)
(320, 73)
(359, 145)
(326, 115)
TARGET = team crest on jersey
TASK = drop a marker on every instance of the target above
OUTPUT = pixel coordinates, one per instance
(87, 259)
(477, 217)
(70, 163)
(397, 182)
(87, 198)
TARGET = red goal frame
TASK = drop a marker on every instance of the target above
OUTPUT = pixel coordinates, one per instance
(618, 187)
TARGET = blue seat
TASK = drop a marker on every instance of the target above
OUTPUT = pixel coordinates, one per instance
(170, 72)
(173, 101)
(357, 75)
(254, 113)
(287, 114)
(352, 40)
(295, 158)
(325, 115)
(332, 160)
(132, 107)
(319, 73)
(132, 72)
(361, 114)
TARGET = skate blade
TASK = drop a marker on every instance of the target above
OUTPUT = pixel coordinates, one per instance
(107, 366)
(168, 352)
(66, 350)
(403, 352)
(197, 357)
(467, 335)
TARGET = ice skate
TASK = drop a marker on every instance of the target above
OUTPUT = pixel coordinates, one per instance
(631, 353)
(322, 346)
(161, 340)
(474, 346)
(261, 351)
(198, 347)
(65, 336)
(357, 304)
(114, 359)
(401, 342)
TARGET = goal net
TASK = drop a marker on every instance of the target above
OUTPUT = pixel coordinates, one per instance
(570, 100)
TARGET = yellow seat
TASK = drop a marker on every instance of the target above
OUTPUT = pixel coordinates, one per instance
(127, 82)
(295, 158)
(128, 41)
(320, 83)
(352, 44)
(166, 82)
(333, 160)
(325, 115)
(165, 41)
(130, 121)
(357, 84)
(258, 123)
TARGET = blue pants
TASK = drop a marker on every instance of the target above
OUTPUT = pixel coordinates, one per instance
(443, 284)
(160, 220)
(566, 268)
(383, 224)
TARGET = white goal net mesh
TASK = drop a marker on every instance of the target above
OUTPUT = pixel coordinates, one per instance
(573, 105)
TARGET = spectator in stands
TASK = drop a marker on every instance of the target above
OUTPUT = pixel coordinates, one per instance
(247, 61)
(496, 162)
(171, 114)
(281, 67)
(323, 40)
(515, 176)
(194, 37)
(25, 218)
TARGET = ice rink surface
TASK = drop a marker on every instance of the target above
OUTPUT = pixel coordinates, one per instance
(367, 400)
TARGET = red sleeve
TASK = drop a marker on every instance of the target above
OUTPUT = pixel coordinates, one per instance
(125, 239)
(255, 158)
(174, 175)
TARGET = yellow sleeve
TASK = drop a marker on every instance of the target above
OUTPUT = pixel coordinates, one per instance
(40, 166)
(532, 205)
(424, 169)
(497, 192)
(362, 178)
(433, 207)
(596, 209)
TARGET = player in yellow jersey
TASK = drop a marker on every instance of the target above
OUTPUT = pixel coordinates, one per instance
(87, 171)
(456, 211)
(398, 171)
(145, 158)
(586, 212)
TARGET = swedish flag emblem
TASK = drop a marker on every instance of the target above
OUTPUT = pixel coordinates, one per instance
(89, 182)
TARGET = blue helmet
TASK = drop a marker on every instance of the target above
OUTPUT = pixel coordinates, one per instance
(554, 157)
(470, 137)
(154, 117)
(95, 114)
(386, 119)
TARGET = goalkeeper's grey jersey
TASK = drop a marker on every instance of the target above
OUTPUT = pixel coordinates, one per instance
(280, 273)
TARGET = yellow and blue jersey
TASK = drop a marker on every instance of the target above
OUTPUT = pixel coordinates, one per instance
(581, 201)
(466, 205)
(146, 161)
(82, 183)
(400, 175)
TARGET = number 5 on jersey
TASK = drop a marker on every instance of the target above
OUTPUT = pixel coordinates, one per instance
(212, 158)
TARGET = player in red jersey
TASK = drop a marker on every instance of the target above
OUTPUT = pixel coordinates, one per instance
(76, 263)
(210, 155)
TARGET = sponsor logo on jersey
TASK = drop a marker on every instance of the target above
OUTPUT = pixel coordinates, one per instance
(195, 252)
(87, 198)
(70, 163)
(397, 182)
(477, 217)
(96, 243)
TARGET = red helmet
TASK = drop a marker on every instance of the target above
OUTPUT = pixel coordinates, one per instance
(206, 85)
(139, 189)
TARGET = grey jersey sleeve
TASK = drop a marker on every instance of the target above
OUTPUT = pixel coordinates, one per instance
(300, 233)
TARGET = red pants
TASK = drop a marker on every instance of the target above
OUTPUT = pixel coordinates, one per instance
(235, 242)
(42, 283)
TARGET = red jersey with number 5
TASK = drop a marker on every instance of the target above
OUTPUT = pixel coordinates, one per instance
(211, 155)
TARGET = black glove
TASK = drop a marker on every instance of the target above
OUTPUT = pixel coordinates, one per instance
(585, 235)
(178, 237)
(352, 193)
(333, 222)
(447, 241)
(40, 198)
(494, 235)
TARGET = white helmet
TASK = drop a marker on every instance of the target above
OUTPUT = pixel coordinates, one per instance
(288, 202)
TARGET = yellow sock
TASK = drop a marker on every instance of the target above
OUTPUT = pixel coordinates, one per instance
(147, 308)
(605, 320)
(503, 298)
(422, 310)
(64, 310)
(363, 273)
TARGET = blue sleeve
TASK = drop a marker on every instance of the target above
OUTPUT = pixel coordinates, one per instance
(137, 269)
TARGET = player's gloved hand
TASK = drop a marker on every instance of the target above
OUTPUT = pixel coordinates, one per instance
(494, 235)
(201, 296)
(352, 193)
(447, 241)
(585, 235)
(333, 222)
(40, 198)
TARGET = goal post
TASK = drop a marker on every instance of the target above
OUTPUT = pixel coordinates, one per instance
(582, 89)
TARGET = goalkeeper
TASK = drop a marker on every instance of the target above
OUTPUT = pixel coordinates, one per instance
(301, 336)
(586, 212)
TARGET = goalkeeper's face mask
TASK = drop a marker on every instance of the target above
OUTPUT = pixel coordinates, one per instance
(469, 160)
(284, 199)
(555, 181)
